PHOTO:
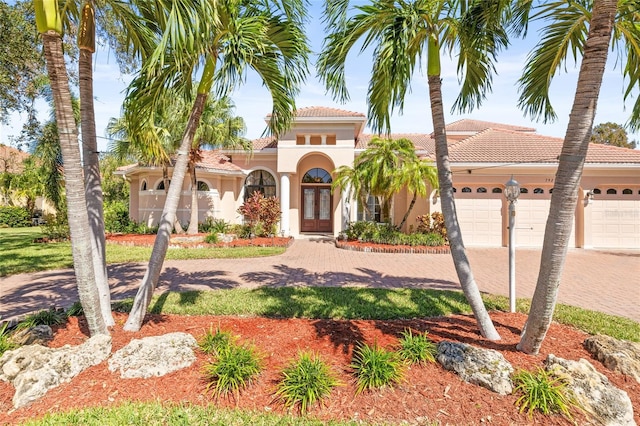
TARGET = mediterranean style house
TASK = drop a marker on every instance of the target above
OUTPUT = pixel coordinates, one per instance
(297, 168)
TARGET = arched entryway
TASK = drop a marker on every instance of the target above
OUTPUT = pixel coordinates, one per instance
(316, 201)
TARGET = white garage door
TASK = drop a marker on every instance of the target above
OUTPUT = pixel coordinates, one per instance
(480, 221)
(615, 223)
(531, 219)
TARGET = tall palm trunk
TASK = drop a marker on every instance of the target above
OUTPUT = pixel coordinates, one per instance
(460, 260)
(193, 223)
(74, 183)
(93, 187)
(161, 244)
(177, 226)
(567, 179)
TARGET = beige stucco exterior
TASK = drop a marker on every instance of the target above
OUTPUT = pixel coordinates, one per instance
(326, 138)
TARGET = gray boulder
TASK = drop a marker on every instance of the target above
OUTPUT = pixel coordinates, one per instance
(617, 355)
(154, 356)
(34, 369)
(484, 367)
(38, 335)
(593, 391)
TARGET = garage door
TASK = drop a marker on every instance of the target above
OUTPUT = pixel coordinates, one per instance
(615, 223)
(480, 221)
(531, 220)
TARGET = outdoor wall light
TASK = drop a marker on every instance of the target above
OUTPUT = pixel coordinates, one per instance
(588, 197)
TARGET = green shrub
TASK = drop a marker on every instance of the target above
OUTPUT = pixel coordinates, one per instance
(418, 349)
(5, 342)
(385, 233)
(432, 224)
(376, 367)
(142, 228)
(215, 226)
(75, 310)
(211, 238)
(212, 343)
(233, 370)
(241, 231)
(543, 392)
(56, 228)
(50, 316)
(14, 217)
(305, 382)
(116, 217)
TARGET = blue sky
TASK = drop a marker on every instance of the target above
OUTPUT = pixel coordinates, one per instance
(253, 102)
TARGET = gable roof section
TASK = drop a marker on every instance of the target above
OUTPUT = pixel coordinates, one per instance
(505, 146)
(325, 112)
(474, 126)
(11, 159)
(265, 143)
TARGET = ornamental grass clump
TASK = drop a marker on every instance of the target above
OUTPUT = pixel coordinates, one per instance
(6, 344)
(306, 381)
(213, 342)
(376, 367)
(543, 392)
(51, 316)
(417, 349)
(233, 369)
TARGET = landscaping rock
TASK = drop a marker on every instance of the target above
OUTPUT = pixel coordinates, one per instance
(484, 367)
(593, 391)
(154, 356)
(617, 355)
(38, 335)
(34, 369)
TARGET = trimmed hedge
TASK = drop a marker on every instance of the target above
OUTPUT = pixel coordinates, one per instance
(14, 217)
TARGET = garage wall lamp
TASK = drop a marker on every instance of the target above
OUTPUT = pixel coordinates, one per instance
(588, 197)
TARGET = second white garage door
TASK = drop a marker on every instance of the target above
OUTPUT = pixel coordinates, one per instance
(480, 221)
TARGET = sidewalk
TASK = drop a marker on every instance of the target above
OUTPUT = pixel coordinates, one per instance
(606, 281)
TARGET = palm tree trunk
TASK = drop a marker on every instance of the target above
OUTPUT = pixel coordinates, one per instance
(193, 222)
(74, 183)
(567, 179)
(161, 244)
(460, 260)
(177, 226)
(411, 205)
(93, 186)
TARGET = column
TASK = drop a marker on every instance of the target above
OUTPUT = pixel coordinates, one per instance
(285, 196)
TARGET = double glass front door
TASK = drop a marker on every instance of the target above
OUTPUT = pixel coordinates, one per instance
(316, 209)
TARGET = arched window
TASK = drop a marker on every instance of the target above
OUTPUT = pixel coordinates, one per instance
(481, 189)
(161, 185)
(202, 186)
(260, 181)
(611, 191)
(627, 191)
(143, 187)
(597, 191)
(524, 191)
(551, 191)
(454, 189)
(497, 190)
(538, 191)
(317, 176)
(466, 189)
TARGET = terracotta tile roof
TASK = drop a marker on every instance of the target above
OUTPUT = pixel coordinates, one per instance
(505, 146)
(320, 111)
(11, 159)
(421, 141)
(467, 125)
(264, 143)
(216, 161)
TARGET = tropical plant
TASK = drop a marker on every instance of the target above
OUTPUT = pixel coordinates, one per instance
(611, 134)
(417, 349)
(400, 33)
(6, 344)
(542, 392)
(304, 382)
(376, 367)
(575, 28)
(229, 37)
(233, 369)
(50, 316)
(14, 217)
(213, 343)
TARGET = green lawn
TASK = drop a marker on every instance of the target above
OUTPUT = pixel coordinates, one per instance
(19, 253)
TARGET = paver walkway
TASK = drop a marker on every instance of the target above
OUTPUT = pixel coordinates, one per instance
(607, 281)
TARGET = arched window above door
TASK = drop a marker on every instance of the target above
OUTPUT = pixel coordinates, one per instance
(317, 175)
(260, 181)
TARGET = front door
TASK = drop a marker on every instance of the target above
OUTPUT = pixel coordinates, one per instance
(316, 209)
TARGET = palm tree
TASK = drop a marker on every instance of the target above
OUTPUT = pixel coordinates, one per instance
(567, 33)
(49, 24)
(229, 37)
(415, 175)
(401, 32)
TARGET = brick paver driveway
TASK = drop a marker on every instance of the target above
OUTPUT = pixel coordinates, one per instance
(607, 281)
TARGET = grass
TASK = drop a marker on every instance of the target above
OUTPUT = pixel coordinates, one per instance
(417, 349)
(233, 369)
(543, 392)
(20, 254)
(376, 367)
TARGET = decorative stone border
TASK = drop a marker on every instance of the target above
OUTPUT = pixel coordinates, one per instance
(348, 245)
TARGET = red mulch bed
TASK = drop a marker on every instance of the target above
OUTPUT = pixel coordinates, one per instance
(148, 240)
(429, 393)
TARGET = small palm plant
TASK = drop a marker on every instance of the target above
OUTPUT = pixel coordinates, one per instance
(235, 367)
(376, 367)
(543, 392)
(417, 349)
(305, 382)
